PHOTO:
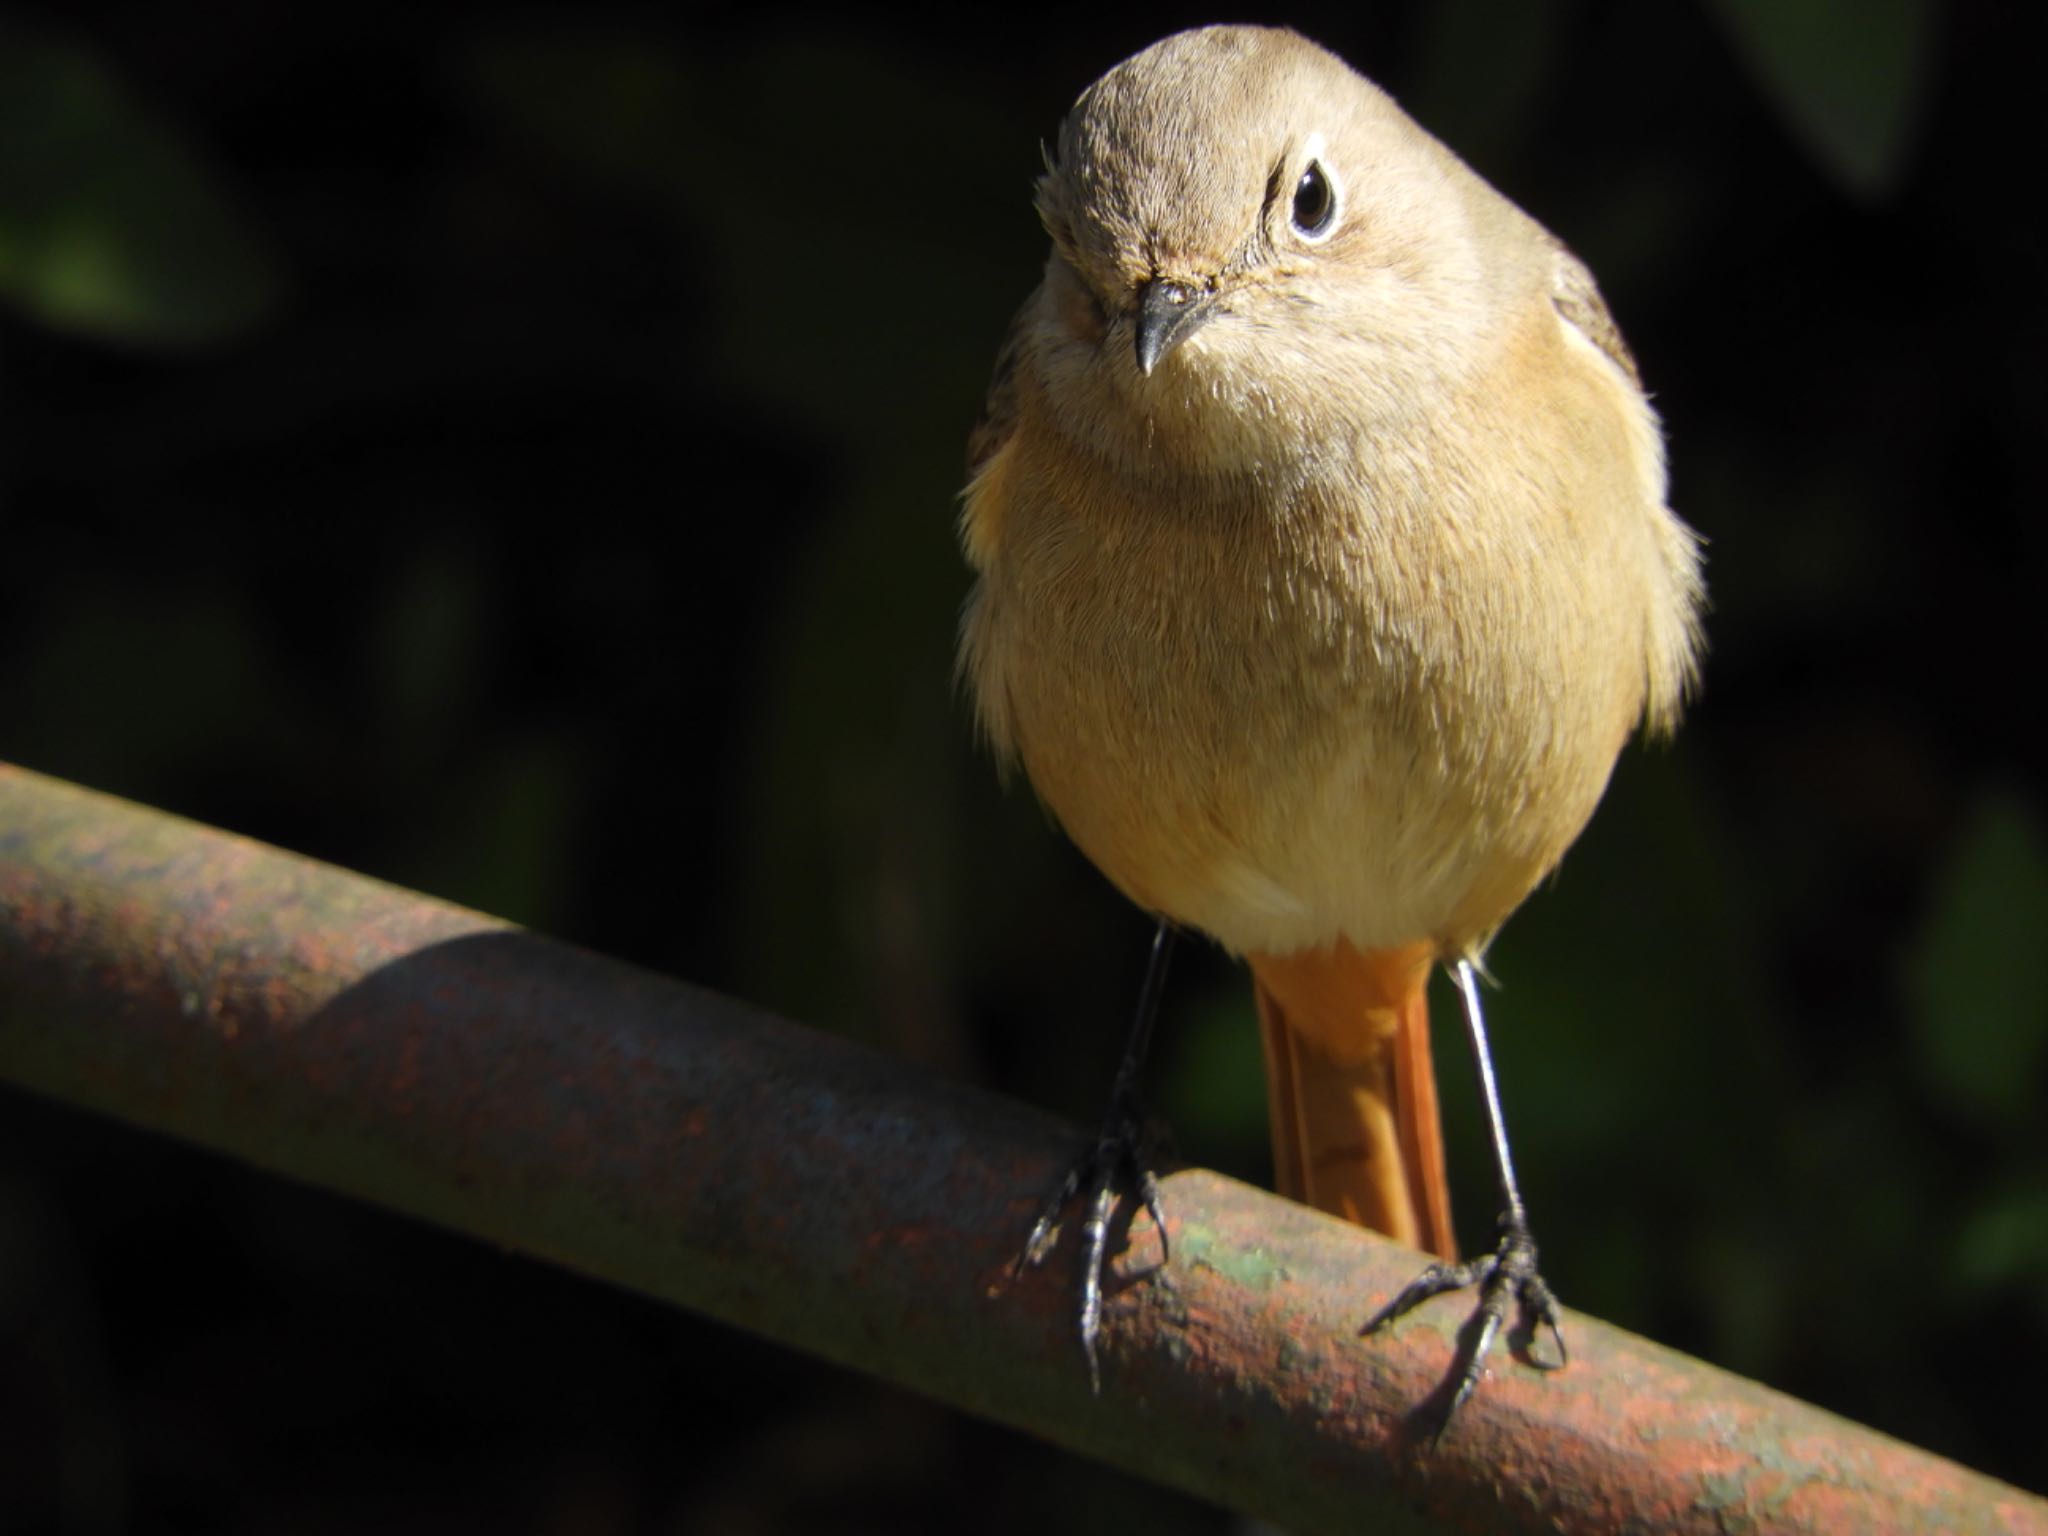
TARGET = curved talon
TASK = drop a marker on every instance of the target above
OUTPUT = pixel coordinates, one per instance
(1121, 1156)
(1538, 1300)
(1155, 1206)
(1118, 1159)
(1046, 1227)
(1508, 1272)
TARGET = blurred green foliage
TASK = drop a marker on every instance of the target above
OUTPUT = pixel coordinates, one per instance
(113, 227)
(1849, 76)
(1977, 977)
(514, 452)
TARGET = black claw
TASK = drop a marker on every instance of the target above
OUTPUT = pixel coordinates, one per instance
(1506, 1275)
(1046, 1228)
(1118, 1161)
(1155, 1205)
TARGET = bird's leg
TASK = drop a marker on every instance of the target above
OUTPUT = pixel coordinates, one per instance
(1506, 1274)
(1118, 1159)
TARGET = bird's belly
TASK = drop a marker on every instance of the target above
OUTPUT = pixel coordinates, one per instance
(1277, 796)
(1334, 713)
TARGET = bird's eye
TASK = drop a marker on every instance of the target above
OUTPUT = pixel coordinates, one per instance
(1315, 203)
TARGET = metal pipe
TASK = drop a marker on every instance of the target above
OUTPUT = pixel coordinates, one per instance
(438, 1062)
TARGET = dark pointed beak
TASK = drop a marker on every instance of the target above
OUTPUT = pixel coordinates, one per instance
(1168, 314)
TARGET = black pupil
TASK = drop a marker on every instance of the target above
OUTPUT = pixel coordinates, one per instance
(1313, 203)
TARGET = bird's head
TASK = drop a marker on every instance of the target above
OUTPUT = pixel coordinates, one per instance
(1246, 230)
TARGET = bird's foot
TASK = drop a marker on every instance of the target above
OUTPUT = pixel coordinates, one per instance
(1120, 1159)
(1507, 1274)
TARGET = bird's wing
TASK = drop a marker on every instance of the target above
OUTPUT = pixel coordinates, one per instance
(999, 410)
(1577, 298)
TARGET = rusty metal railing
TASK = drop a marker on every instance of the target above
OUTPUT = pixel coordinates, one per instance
(442, 1063)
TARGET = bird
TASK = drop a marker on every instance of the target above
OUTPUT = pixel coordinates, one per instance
(1322, 568)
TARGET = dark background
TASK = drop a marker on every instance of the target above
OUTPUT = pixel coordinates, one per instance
(512, 450)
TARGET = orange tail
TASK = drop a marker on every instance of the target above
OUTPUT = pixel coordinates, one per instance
(1351, 1091)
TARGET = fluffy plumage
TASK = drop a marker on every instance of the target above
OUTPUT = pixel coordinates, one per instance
(1325, 631)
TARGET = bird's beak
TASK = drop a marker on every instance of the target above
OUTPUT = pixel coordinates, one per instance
(1168, 314)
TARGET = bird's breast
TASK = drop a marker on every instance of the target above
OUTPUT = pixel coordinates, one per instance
(1347, 699)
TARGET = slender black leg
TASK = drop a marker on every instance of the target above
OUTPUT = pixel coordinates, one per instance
(1118, 1159)
(1509, 1272)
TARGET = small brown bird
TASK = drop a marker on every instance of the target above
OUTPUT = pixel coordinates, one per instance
(1324, 569)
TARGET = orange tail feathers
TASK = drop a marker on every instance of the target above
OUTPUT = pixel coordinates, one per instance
(1351, 1090)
